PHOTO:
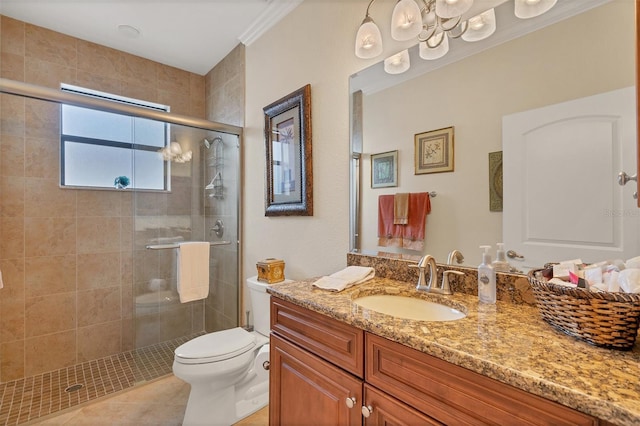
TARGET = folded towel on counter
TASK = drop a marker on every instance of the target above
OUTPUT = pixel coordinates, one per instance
(401, 209)
(345, 278)
(389, 234)
(193, 270)
(413, 233)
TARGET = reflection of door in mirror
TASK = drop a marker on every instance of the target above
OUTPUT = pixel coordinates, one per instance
(559, 63)
(544, 150)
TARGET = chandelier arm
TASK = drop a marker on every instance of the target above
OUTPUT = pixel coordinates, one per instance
(370, 3)
(442, 23)
(464, 25)
(427, 32)
(438, 43)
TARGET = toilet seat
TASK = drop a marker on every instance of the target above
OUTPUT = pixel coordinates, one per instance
(215, 347)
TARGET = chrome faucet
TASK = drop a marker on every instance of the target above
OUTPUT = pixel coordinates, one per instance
(427, 262)
(455, 255)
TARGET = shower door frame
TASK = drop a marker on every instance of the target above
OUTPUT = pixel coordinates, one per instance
(33, 91)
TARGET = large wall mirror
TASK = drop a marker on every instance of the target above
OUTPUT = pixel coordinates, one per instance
(587, 48)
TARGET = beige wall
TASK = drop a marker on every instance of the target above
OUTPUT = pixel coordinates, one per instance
(314, 44)
(559, 63)
(67, 255)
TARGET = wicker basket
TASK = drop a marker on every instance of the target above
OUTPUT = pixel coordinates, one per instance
(603, 319)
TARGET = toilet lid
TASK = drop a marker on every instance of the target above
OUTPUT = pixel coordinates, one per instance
(216, 346)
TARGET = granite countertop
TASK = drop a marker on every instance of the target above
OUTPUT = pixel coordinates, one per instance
(507, 342)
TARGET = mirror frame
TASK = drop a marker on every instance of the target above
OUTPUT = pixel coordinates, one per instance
(295, 110)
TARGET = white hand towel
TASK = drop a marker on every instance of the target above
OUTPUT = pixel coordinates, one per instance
(193, 270)
(345, 278)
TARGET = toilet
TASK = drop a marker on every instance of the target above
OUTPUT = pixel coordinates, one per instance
(227, 370)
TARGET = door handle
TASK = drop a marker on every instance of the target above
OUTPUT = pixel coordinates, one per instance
(513, 255)
(624, 178)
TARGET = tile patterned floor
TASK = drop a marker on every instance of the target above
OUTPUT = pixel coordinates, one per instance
(34, 397)
(160, 402)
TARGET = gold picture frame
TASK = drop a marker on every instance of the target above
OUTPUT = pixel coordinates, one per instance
(434, 151)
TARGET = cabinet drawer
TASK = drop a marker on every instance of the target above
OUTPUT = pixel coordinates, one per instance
(386, 410)
(455, 395)
(336, 342)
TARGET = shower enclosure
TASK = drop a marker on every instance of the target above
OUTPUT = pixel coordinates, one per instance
(90, 274)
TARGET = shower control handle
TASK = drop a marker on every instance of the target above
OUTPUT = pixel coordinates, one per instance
(218, 228)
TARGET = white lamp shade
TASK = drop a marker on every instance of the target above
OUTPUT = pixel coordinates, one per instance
(432, 53)
(406, 21)
(480, 26)
(525, 9)
(452, 8)
(398, 63)
(368, 40)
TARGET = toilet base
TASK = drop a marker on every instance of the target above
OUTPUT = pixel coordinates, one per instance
(231, 404)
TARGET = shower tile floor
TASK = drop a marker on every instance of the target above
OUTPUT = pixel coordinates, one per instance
(34, 397)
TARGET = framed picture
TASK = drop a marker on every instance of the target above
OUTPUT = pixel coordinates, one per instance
(384, 169)
(434, 151)
(287, 130)
(495, 181)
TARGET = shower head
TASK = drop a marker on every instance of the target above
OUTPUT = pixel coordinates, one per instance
(207, 143)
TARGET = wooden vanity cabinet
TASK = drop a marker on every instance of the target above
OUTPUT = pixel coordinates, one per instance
(317, 364)
(322, 368)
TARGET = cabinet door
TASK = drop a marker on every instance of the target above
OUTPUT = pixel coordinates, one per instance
(305, 390)
(388, 411)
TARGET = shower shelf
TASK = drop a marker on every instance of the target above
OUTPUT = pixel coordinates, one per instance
(215, 163)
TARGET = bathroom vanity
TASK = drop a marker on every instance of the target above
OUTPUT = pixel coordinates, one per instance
(337, 363)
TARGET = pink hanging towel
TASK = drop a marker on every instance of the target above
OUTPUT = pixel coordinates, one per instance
(389, 235)
(413, 232)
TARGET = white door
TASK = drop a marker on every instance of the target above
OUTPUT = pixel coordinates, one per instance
(561, 196)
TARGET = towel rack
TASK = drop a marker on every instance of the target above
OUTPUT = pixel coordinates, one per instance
(175, 245)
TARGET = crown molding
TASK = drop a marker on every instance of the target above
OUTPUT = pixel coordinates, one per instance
(276, 10)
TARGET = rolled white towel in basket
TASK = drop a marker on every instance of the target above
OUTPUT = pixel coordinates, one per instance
(349, 276)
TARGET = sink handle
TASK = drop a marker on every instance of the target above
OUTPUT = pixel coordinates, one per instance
(446, 288)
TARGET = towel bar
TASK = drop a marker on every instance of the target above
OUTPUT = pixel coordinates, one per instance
(175, 245)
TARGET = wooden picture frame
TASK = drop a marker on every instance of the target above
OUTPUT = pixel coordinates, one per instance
(434, 151)
(495, 181)
(384, 169)
(289, 176)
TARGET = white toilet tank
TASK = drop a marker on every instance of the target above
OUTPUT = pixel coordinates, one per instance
(260, 304)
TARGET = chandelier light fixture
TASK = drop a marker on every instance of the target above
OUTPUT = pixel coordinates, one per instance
(432, 23)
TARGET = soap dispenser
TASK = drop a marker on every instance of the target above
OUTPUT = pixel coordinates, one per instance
(486, 278)
(501, 264)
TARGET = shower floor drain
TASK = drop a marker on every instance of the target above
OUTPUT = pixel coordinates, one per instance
(74, 388)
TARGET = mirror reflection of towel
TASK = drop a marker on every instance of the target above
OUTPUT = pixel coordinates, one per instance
(193, 270)
(389, 235)
(401, 209)
(413, 233)
(410, 236)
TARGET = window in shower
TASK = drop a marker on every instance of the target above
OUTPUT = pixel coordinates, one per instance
(100, 149)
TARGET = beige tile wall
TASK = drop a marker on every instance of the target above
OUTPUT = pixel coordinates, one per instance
(67, 256)
(225, 87)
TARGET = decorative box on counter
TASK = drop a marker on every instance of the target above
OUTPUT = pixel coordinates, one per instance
(270, 270)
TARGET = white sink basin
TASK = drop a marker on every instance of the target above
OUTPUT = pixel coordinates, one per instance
(409, 308)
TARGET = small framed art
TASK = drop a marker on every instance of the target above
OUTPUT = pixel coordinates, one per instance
(434, 151)
(384, 169)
